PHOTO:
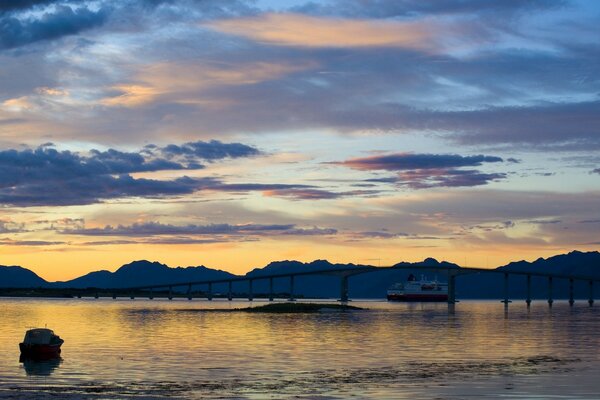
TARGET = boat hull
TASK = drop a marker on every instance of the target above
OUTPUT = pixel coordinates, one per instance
(40, 350)
(430, 297)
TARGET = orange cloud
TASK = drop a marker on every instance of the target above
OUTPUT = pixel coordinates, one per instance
(184, 83)
(307, 31)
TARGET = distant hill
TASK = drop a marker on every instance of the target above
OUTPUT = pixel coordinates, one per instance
(575, 263)
(141, 273)
(366, 285)
(19, 277)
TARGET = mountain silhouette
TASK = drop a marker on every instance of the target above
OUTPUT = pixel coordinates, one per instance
(19, 277)
(141, 273)
(367, 285)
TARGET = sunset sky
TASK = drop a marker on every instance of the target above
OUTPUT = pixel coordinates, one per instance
(231, 133)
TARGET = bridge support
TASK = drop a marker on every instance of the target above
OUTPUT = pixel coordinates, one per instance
(170, 292)
(209, 295)
(292, 288)
(571, 290)
(451, 289)
(528, 300)
(271, 289)
(344, 289)
(591, 299)
(250, 292)
(131, 296)
(550, 299)
(114, 296)
(189, 292)
(506, 300)
(229, 292)
(96, 295)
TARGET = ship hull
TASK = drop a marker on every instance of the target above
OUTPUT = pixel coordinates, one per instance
(417, 297)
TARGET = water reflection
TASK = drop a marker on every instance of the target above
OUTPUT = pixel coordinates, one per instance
(131, 349)
(41, 366)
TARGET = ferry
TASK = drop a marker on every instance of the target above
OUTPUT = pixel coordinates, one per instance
(41, 342)
(418, 290)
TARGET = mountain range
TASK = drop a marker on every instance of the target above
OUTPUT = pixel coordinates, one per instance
(369, 285)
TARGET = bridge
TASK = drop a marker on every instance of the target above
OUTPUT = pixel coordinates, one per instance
(344, 273)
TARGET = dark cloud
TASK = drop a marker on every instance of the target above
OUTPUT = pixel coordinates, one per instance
(409, 161)
(595, 171)
(210, 151)
(428, 178)
(420, 171)
(309, 193)
(61, 21)
(158, 229)
(411, 8)
(543, 221)
(379, 235)
(10, 242)
(13, 5)
(46, 176)
(11, 227)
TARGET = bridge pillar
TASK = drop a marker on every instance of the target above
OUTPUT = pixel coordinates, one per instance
(292, 288)
(528, 300)
(151, 295)
(131, 296)
(271, 289)
(344, 289)
(550, 299)
(451, 289)
(210, 295)
(591, 299)
(230, 292)
(189, 292)
(506, 300)
(114, 296)
(250, 292)
(170, 292)
(96, 295)
(571, 290)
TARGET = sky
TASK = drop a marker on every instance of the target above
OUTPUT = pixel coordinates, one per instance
(231, 133)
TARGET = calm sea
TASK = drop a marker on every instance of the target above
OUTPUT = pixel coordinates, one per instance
(142, 349)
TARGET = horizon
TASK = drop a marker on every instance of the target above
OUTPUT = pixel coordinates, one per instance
(243, 132)
(114, 269)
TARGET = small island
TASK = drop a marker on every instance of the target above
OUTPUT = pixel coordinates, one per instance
(287, 308)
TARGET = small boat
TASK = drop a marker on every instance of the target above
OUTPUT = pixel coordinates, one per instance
(414, 290)
(41, 342)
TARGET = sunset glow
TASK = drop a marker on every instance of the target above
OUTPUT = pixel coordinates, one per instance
(232, 134)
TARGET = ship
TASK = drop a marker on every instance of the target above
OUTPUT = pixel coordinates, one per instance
(41, 343)
(418, 290)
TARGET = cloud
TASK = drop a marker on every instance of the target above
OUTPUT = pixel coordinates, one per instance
(8, 226)
(85, 178)
(410, 8)
(12, 5)
(430, 178)
(595, 171)
(307, 31)
(310, 193)
(157, 229)
(213, 150)
(410, 161)
(420, 171)
(60, 21)
(11, 242)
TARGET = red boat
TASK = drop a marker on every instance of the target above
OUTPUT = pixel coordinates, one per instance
(41, 342)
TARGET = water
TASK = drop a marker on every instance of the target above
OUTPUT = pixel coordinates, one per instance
(156, 349)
